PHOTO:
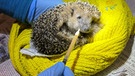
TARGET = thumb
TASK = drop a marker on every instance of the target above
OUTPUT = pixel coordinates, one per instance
(55, 70)
(58, 68)
(68, 72)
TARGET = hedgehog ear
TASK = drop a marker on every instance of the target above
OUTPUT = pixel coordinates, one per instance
(97, 15)
(95, 18)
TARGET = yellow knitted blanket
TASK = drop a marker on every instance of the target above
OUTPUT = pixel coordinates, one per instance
(86, 60)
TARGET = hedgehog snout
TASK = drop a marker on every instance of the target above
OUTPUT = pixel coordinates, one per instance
(85, 29)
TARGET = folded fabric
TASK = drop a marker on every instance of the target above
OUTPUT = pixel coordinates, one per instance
(89, 59)
(3, 47)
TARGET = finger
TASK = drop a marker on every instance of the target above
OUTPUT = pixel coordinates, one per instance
(55, 70)
(68, 72)
(59, 68)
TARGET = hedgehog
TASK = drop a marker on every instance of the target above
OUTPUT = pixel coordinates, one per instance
(54, 30)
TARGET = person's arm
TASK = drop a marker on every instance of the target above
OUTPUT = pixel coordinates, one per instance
(17, 9)
(26, 10)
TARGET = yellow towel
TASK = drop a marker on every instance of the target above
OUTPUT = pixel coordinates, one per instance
(87, 60)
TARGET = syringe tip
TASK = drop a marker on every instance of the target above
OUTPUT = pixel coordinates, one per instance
(78, 32)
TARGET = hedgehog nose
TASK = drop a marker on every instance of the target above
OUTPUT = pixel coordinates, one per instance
(85, 29)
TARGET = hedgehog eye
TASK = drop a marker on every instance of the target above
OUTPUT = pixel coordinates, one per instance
(72, 12)
(79, 17)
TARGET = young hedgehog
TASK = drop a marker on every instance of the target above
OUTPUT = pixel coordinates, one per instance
(53, 30)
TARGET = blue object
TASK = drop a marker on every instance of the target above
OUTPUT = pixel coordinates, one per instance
(26, 10)
(15, 8)
(59, 69)
(40, 6)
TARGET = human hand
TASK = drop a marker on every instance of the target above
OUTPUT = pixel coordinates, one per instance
(59, 69)
(40, 6)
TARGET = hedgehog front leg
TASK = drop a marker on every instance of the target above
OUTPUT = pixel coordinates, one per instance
(81, 41)
(65, 36)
